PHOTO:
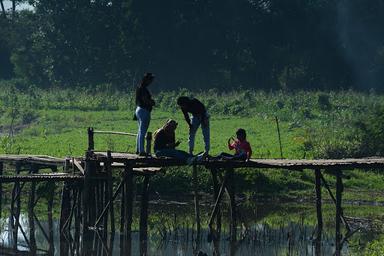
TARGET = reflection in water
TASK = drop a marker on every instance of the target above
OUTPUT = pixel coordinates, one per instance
(268, 230)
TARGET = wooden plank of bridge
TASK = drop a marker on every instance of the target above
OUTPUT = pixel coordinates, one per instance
(42, 161)
(39, 177)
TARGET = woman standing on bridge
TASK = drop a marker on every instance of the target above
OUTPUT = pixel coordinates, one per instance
(144, 105)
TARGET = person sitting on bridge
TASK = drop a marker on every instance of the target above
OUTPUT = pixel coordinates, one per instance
(165, 143)
(243, 150)
(199, 115)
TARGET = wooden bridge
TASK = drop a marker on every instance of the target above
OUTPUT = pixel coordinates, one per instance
(93, 183)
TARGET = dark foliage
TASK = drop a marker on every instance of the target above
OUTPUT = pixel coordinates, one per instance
(263, 44)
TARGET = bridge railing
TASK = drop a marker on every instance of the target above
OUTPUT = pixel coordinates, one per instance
(92, 132)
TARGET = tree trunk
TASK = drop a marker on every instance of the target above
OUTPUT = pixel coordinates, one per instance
(3, 9)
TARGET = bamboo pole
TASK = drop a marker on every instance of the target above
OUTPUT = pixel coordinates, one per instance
(51, 243)
(78, 219)
(339, 191)
(1, 188)
(64, 217)
(279, 136)
(129, 195)
(232, 199)
(65, 206)
(16, 215)
(318, 211)
(216, 190)
(110, 189)
(334, 201)
(87, 202)
(91, 141)
(109, 204)
(148, 143)
(31, 223)
(40, 226)
(218, 199)
(144, 216)
(197, 204)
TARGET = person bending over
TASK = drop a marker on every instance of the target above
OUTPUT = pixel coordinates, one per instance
(165, 143)
(199, 116)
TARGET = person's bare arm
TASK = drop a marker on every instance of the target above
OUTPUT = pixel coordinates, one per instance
(186, 117)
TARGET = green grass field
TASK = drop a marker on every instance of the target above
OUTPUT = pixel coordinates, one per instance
(312, 125)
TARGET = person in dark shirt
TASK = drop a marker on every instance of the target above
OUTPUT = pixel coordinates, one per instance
(165, 143)
(199, 116)
(144, 104)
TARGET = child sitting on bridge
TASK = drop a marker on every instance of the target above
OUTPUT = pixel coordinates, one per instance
(243, 150)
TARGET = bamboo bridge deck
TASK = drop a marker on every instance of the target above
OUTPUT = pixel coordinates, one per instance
(143, 164)
(73, 168)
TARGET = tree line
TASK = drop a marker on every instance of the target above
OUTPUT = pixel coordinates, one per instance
(226, 44)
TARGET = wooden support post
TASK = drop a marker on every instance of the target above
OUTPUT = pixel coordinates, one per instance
(40, 226)
(109, 204)
(197, 204)
(87, 202)
(16, 209)
(65, 205)
(278, 133)
(1, 188)
(78, 218)
(64, 216)
(218, 199)
(334, 201)
(216, 191)
(232, 194)
(91, 141)
(129, 196)
(106, 199)
(144, 216)
(51, 248)
(318, 211)
(339, 191)
(31, 222)
(149, 143)
(123, 204)
(128, 207)
(110, 189)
